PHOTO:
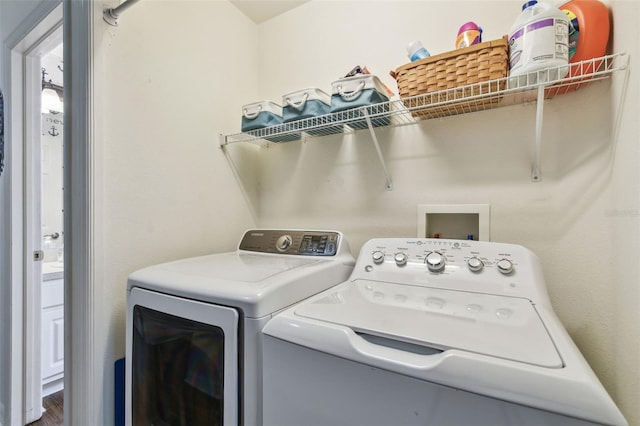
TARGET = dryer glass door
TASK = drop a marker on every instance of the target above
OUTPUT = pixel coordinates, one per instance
(183, 366)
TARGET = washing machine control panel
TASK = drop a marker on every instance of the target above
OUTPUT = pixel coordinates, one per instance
(454, 264)
(292, 242)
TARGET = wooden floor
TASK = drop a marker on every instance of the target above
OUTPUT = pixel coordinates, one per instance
(53, 416)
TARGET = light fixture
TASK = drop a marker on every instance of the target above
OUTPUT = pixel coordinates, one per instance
(51, 96)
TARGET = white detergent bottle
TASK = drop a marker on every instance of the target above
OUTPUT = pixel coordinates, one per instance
(538, 45)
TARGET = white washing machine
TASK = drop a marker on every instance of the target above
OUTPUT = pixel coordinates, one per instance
(193, 341)
(431, 332)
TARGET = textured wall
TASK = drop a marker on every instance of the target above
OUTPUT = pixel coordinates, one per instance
(581, 219)
(169, 73)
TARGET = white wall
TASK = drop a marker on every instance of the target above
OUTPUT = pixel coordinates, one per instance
(174, 75)
(581, 219)
(52, 163)
(169, 74)
(52, 211)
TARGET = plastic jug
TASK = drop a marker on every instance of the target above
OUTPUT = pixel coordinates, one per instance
(468, 34)
(588, 29)
(539, 44)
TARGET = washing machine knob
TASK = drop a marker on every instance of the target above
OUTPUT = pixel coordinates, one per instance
(505, 266)
(284, 242)
(435, 261)
(475, 264)
(377, 256)
(400, 258)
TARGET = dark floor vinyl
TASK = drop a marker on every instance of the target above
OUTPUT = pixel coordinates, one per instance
(53, 415)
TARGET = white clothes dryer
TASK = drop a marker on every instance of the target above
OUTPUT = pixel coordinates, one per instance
(431, 332)
(193, 341)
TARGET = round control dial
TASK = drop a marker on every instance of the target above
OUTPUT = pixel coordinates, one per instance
(377, 256)
(435, 261)
(400, 258)
(505, 266)
(474, 264)
(284, 242)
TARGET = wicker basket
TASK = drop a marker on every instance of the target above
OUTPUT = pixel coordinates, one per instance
(460, 68)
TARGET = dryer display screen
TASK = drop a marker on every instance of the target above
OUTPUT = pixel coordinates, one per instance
(305, 243)
(317, 244)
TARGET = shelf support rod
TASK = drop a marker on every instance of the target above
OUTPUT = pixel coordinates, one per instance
(236, 175)
(374, 138)
(535, 171)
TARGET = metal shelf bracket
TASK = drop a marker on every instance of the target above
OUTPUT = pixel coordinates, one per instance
(374, 139)
(535, 170)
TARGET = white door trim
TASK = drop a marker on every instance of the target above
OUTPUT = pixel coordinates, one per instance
(84, 369)
(51, 27)
(26, 44)
(33, 239)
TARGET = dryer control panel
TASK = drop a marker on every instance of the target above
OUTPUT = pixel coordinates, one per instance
(478, 266)
(292, 242)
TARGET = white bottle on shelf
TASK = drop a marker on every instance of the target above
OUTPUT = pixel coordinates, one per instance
(538, 45)
(416, 51)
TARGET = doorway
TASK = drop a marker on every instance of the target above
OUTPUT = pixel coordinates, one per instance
(28, 48)
(52, 166)
(44, 286)
(36, 22)
(44, 291)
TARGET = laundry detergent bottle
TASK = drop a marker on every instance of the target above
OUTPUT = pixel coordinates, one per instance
(538, 44)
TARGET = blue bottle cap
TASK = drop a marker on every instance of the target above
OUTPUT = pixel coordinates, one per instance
(529, 3)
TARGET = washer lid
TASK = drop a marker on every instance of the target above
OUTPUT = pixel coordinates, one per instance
(497, 326)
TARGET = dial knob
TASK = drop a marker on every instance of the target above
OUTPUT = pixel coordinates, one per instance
(435, 261)
(475, 264)
(284, 242)
(400, 258)
(505, 266)
(377, 256)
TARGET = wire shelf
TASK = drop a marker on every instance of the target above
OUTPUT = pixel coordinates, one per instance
(460, 100)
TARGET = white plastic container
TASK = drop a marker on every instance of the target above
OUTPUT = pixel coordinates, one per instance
(416, 51)
(538, 44)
